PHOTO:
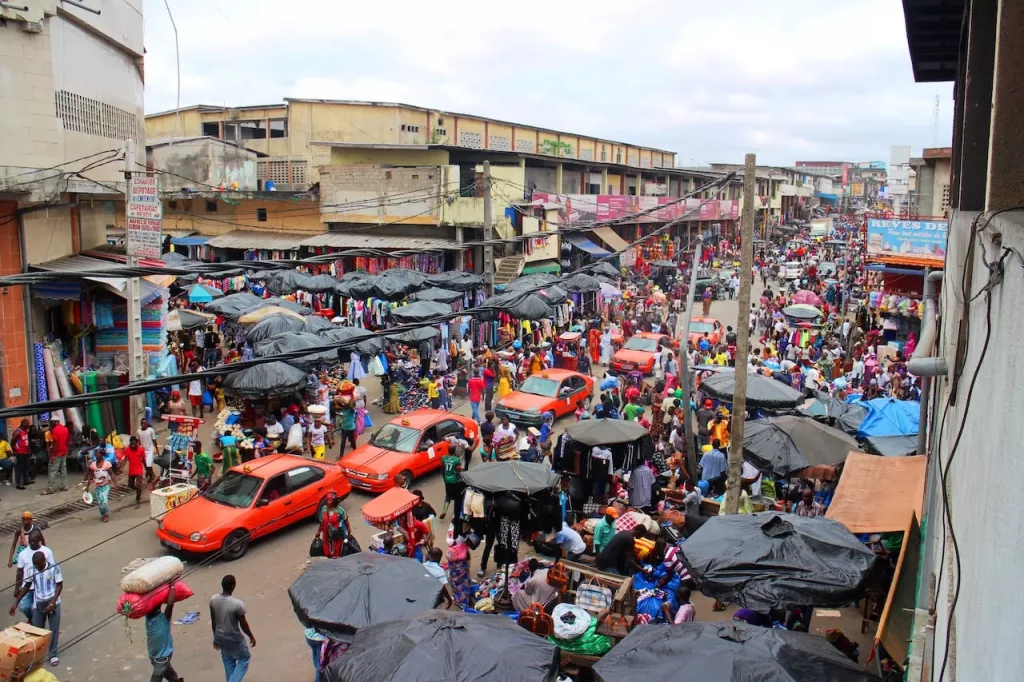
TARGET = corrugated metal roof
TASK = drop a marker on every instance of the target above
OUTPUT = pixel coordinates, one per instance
(79, 263)
(246, 240)
(371, 241)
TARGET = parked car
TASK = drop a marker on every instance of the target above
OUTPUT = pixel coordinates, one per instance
(700, 325)
(250, 501)
(554, 390)
(638, 352)
(712, 283)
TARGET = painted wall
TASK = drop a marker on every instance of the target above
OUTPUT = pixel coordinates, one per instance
(372, 188)
(542, 250)
(342, 156)
(13, 343)
(541, 179)
(207, 162)
(282, 215)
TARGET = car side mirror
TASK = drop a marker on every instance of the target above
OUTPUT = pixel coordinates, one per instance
(263, 502)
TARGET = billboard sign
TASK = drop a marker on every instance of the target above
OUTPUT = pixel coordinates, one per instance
(576, 209)
(910, 239)
(144, 217)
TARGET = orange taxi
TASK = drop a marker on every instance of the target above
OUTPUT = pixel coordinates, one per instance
(250, 501)
(406, 448)
(553, 390)
(639, 351)
(699, 325)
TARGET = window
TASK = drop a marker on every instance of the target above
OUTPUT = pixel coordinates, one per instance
(618, 157)
(92, 117)
(230, 132)
(604, 153)
(211, 129)
(275, 488)
(440, 120)
(448, 427)
(594, 189)
(252, 130)
(261, 215)
(303, 476)
(234, 489)
(410, 129)
(279, 127)
(211, 206)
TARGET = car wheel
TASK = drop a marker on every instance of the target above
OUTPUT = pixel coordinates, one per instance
(235, 545)
(404, 479)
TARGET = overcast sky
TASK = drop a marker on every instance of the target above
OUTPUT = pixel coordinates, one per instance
(793, 80)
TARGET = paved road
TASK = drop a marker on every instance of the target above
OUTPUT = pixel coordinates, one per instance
(264, 574)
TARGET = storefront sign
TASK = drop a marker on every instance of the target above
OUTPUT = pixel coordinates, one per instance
(910, 239)
(144, 217)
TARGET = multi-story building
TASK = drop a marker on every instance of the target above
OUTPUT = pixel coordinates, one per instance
(416, 176)
(71, 89)
(932, 175)
(963, 578)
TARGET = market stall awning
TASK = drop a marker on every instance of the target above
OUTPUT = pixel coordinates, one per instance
(543, 267)
(876, 494)
(248, 240)
(896, 625)
(366, 240)
(584, 244)
(116, 285)
(611, 240)
(190, 241)
(58, 291)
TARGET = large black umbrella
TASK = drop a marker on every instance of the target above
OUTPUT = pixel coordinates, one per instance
(438, 295)
(269, 379)
(272, 325)
(605, 431)
(281, 303)
(366, 342)
(531, 282)
(761, 391)
(233, 305)
(414, 336)
(580, 283)
(419, 311)
(396, 284)
(288, 342)
(317, 323)
(288, 281)
(774, 560)
(835, 412)
(321, 283)
(456, 280)
(725, 652)
(518, 477)
(519, 305)
(782, 446)
(339, 597)
(446, 645)
(891, 446)
(603, 269)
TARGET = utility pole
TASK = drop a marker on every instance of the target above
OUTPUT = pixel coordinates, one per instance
(140, 218)
(683, 334)
(739, 400)
(488, 231)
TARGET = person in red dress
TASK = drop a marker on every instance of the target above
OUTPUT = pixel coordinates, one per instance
(334, 527)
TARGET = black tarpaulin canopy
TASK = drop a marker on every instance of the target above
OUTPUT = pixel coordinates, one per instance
(413, 336)
(725, 652)
(775, 560)
(233, 305)
(283, 303)
(518, 477)
(270, 379)
(530, 283)
(581, 283)
(438, 295)
(288, 281)
(761, 391)
(603, 269)
(449, 646)
(419, 311)
(396, 284)
(317, 323)
(272, 325)
(288, 342)
(891, 446)
(664, 264)
(782, 446)
(456, 280)
(521, 306)
(366, 342)
(605, 431)
(321, 283)
(339, 597)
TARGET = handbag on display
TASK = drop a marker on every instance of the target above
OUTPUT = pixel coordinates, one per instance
(558, 577)
(593, 597)
(536, 620)
(613, 624)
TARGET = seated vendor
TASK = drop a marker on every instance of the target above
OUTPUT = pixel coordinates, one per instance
(566, 540)
(618, 555)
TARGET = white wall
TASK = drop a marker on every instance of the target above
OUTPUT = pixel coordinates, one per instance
(985, 475)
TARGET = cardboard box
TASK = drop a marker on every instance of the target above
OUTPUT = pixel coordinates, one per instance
(22, 647)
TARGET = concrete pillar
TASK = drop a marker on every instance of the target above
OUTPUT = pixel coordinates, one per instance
(558, 179)
(1005, 175)
(604, 182)
(972, 121)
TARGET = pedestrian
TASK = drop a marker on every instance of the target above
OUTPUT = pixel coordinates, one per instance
(347, 422)
(136, 458)
(101, 473)
(334, 527)
(7, 462)
(45, 581)
(487, 429)
(159, 644)
(21, 537)
(175, 407)
(451, 473)
(35, 544)
(318, 439)
(475, 386)
(148, 442)
(227, 618)
(22, 454)
(195, 389)
(58, 469)
(434, 391)
(203, 470)
(686, 612)
(705, 302)
(489, 381)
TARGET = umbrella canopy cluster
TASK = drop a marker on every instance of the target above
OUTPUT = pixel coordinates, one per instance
(605, 431)
(420, 311)
(773, 560)
(269, 379)
(761, 391)
(288, 342)
(366, 342)
(180, 319)
(802, 311)
(784, 446)
(272, 325)
(527, 478)
(234, 305)
(200, 293)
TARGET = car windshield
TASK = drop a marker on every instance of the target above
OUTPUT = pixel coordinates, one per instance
(547, 388)
(235, 489)
(701, 327)
(642, 344)
(395, 437)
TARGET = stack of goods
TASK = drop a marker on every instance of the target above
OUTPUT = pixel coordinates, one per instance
(227, 422)
(112, 339)
(894, 304)
(575, 631)
(148, 586)
(24, 648)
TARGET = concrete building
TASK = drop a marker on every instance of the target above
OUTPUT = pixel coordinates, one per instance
(71, 89)
(967, 624)
(932, 173)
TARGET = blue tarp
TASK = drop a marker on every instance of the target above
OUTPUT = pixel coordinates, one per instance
(889, 417)
(581, 242)
(190, 241)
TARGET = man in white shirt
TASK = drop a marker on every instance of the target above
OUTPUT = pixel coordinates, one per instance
(147, 439)
(812, 378)
(195, 391)
(45, 581)
(752, 476)
(466, 348)
(24, 567)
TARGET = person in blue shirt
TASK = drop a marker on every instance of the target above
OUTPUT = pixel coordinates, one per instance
(713, 467)
(705, 343)
(159, 644)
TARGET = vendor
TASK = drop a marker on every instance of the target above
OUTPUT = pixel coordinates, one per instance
(604, 529)
(566, 540)
(618, 555)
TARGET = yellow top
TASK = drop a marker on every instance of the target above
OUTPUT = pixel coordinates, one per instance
(5, 449)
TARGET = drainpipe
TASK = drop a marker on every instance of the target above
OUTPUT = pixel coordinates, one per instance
(922, 362)
(26, 301)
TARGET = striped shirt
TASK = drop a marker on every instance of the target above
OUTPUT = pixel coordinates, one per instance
(44, 583)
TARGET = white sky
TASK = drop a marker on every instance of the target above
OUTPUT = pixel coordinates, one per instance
(787, 79)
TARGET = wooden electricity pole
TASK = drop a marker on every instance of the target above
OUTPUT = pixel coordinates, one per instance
(739, 401)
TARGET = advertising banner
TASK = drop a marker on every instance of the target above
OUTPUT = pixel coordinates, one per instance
(575, 209)
(909, 239)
